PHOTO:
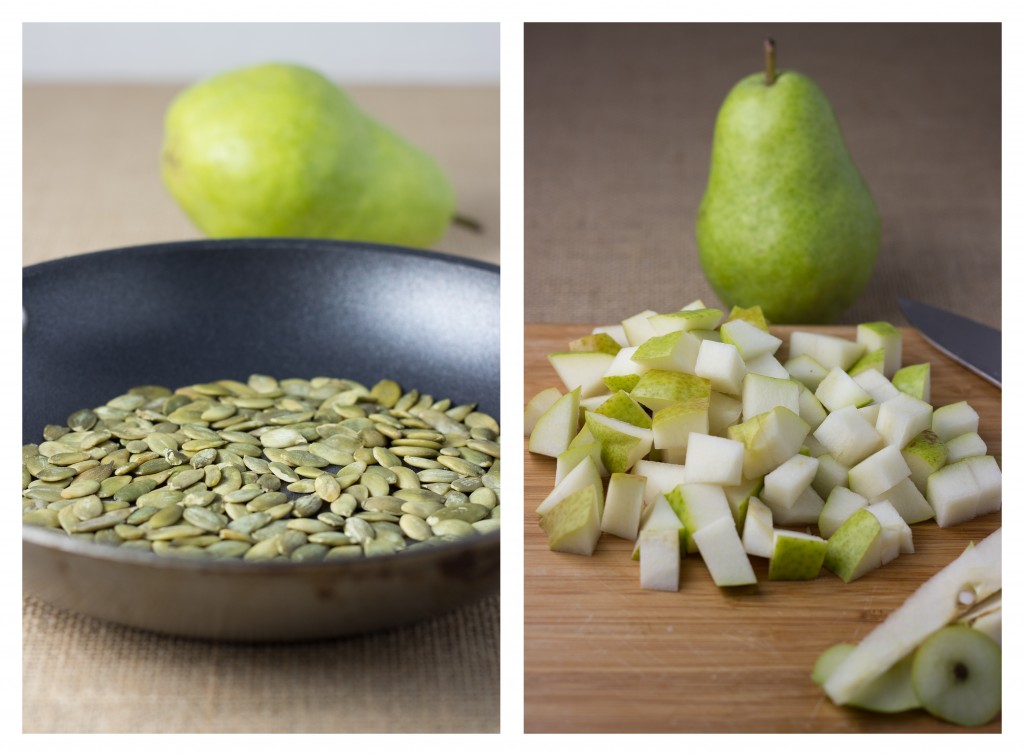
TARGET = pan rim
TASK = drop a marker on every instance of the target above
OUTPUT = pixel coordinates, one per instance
(248, 242)
(60, 542)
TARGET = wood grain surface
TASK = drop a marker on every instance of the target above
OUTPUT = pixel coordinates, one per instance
(601, 655)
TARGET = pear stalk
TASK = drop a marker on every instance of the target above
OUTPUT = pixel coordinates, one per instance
(769, 61)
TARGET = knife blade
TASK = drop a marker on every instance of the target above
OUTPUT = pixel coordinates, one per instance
(977, 347)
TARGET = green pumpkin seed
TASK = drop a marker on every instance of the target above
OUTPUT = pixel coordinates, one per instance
(242, 470)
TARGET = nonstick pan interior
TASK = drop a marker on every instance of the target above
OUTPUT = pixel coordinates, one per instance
(182, 313)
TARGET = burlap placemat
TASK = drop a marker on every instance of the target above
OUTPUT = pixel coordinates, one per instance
(91, 181)
(619, 121)
(86, 676)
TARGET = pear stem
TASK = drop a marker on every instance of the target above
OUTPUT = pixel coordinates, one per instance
(470, 224)
(769, 61)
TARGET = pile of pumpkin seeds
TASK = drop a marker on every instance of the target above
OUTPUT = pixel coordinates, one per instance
(290, 470)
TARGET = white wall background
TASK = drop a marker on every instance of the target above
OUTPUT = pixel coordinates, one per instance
(356, 53)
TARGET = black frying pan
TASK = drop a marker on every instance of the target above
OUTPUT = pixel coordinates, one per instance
(182, 313)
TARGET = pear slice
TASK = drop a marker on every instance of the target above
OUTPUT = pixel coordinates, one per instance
(890, 692)
(977, 571)
(957, 676)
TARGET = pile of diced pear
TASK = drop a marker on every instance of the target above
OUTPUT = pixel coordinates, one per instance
(685, 434)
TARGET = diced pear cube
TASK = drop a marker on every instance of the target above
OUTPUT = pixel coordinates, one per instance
(623, 503)
(901, 418)
(839, 507)
(879, 472)
(539, 404)
(965, 445)
(839, 390)
(761, 394)
(556, 427)
(750, 340)
(784, 484)
(954, 420)
(720, 547)
(582, 369)
(758, 529)
(884, 336)
(848, 436)
(722, 365)
(659, 560)
(828, 351)
(710, 459)
(807, 370)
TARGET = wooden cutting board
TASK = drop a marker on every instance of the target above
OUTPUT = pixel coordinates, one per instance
(601, 655)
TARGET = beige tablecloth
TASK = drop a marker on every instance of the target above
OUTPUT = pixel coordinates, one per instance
(91, 181)
(619, 121)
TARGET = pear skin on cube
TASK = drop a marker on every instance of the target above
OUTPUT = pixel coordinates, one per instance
(915, 380)
(595, 342)
(856, 547)
(884, 337)
(622, 444)
(769, 440)
(573, 525)
(699, 319)
(871, 361)
(621, 406)
(676, 351)
(672, 425)
(753, 315)
(796, 556)
(658, 389)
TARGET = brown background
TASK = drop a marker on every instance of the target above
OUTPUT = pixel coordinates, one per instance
(91, 181)
(619, 122)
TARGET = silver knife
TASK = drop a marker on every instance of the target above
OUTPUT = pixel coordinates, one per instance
(977, 347)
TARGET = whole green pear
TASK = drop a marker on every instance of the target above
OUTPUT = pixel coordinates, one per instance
(279, 150)
(787, 221)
